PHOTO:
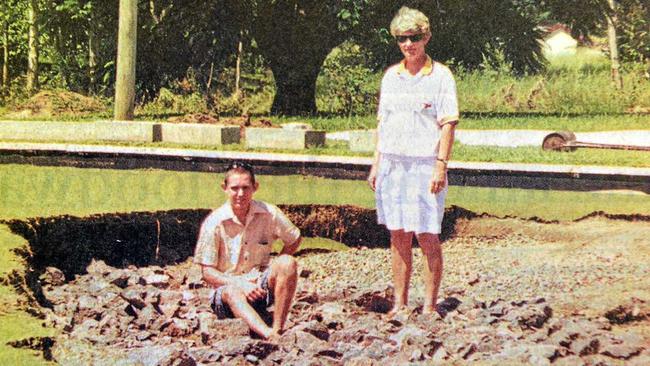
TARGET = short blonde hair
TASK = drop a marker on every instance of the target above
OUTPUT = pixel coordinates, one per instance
(408, 19)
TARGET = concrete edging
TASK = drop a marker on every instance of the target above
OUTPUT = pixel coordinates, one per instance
(201, 134)
(283, 138)
(78, 131)
(140, 131)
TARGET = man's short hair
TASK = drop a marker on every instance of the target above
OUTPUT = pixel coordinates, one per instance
(239, 167)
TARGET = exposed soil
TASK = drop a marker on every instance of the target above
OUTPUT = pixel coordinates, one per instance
(122, 289)
(242, 122)
(53, 103)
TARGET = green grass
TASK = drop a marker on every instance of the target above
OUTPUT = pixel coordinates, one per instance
(494, 121)
(572, 84)
(29, 191)
(474, 121)
(555, 123)
(16, 324)
(530, 154)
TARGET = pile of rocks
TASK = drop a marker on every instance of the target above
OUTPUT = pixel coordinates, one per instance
(161, 316)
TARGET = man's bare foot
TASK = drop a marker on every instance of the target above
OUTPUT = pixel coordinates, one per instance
(274, 337)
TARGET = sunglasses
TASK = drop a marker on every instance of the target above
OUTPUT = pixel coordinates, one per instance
(414, 38)
(240, 165)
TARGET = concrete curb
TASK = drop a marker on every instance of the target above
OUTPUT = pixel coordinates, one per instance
(510, 175)
(363, 140)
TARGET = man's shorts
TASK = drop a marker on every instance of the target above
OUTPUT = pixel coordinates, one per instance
(222, 309)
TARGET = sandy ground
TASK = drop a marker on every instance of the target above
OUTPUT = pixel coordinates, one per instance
(584, 267)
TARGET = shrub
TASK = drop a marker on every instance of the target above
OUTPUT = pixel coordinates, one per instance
(345, 84)
(167, 102)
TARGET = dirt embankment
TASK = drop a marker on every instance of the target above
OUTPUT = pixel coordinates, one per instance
(514, 292)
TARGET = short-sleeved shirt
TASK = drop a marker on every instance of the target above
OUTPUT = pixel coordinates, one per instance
(413, 108)
(238, 248)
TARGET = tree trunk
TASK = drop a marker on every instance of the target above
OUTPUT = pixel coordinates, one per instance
(240, 47)
(92, 56)
(295, 49)
(32, 57)
(613, 46)
(5, 57)
(295, 88)
(126, 53)
(60, 47)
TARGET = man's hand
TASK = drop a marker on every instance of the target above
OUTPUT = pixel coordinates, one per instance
(252, 291)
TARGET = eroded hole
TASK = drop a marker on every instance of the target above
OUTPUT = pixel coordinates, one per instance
(121, 288)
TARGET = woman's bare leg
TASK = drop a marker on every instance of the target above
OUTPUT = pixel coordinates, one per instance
(402, 265)
(432, 269)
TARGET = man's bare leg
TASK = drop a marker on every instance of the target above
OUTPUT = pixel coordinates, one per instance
(236, 299)
(432, 268)
(402, 264)
(282, 281)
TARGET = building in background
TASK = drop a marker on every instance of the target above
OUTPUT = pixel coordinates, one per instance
(558, 41)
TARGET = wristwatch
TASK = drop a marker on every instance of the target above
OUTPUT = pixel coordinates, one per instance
(445, 161)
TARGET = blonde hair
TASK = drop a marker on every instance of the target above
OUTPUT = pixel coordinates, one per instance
(408, 19)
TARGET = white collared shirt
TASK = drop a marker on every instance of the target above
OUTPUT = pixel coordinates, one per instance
(413, 108)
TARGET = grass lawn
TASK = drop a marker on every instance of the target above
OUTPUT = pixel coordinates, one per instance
(16, 324)
(497, 121)
(581, 123)
(469, 120)
(531, 154)
(29, 191)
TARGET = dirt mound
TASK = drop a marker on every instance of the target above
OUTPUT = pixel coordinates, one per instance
(242, 122)
(52, 103)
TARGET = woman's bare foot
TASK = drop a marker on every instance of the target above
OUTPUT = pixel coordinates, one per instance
(428, 309)
(397, 310)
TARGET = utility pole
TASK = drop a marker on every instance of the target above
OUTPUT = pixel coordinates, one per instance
(613, 45)
(126, 53)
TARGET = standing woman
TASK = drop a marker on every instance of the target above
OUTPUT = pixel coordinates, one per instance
(418, 112)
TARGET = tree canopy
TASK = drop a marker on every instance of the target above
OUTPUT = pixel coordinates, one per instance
(293, 37)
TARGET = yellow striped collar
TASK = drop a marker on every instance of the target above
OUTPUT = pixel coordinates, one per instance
(427, 69)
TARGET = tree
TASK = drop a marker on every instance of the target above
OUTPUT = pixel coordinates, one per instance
(464, 32)
(72, 35)
(625, 21)
(296, 36)
(5, 54)
(126, 55)
(14, 35)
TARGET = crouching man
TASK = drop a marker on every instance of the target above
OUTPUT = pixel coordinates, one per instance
(234, 248)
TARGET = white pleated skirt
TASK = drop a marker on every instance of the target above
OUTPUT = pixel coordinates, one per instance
(403, 195)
